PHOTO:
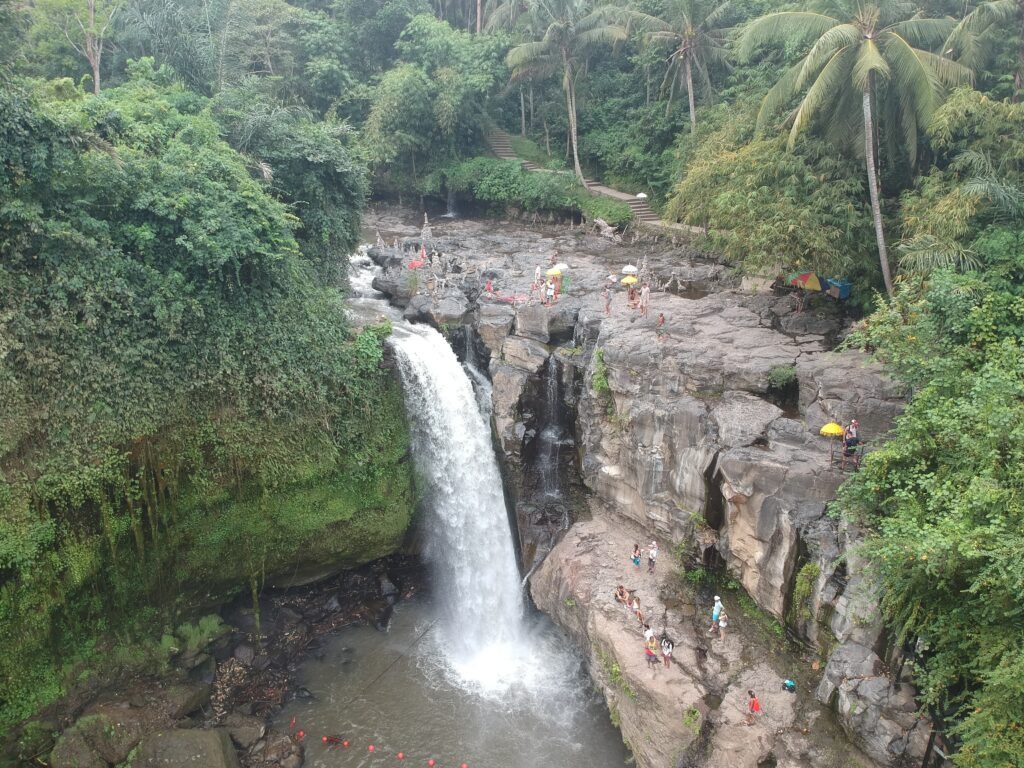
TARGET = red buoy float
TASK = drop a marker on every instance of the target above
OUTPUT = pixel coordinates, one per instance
(370, 748)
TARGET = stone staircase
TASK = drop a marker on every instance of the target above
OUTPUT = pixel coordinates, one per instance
(500, 143)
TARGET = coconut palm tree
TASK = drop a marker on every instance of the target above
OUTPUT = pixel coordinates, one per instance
(964, 43)
(863, 59)
(691, 27)
(573, 29)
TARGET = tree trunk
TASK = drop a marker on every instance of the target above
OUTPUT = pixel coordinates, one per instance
(522, 112)
(689, 95)
(869, 159)
(1018, 77)
(479, 15)
(531, 108)
(547, 138)
(570, 96)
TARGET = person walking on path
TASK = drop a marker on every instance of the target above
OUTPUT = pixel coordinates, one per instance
(635, 557)
(651, 652)
(652, 556)
(753, 708)
(716, 614)
(667, 647)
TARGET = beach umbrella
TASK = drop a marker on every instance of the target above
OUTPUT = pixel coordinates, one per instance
(629, 280)
(832, 430)
(553, 272)
(806, 280)
(629, 269)
(561, 266)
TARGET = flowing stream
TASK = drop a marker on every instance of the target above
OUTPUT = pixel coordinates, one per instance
(471, 674)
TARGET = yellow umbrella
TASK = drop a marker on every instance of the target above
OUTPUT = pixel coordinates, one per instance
(629, 280)
(832, 430)
(553, 272)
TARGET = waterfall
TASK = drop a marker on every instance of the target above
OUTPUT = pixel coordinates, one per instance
(551, 433)
(468, 537)
(451, 212)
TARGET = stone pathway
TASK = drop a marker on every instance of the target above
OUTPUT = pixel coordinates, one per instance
(500, 143)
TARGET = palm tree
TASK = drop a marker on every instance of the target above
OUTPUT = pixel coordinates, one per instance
(572, 30)
(863, 59)
(964, 43)
(691, 27)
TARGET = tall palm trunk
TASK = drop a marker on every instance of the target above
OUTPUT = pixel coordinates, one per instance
(522, 113)
(869, 158)
(479, 15)
(570, 106)
(689, 94)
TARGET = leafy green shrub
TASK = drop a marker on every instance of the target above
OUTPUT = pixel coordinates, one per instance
(599, 375)
(781, 376)
(803, 590)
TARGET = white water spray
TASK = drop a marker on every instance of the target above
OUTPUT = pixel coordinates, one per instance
(469, 541)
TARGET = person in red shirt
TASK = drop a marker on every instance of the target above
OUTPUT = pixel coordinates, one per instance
(753, 708)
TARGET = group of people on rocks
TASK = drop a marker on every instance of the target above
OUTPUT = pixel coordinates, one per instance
(653, 644)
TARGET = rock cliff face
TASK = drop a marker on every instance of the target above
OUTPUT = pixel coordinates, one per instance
(696, 424)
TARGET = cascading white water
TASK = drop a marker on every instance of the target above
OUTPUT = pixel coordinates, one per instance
(469, 541)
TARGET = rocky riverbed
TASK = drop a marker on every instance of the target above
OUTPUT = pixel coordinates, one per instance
(697, 424)
(213, 706)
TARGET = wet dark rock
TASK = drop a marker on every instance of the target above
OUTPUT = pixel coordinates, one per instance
(245, 653)
(183, 700)
(332, 605)
(304, 694)
(204, 671)
(176, 749)
(244, 731)
(286, 617)
(387, 587)
(105, 735)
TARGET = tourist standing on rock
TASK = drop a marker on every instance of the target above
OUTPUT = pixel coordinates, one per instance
(667, 646)
(606, 294)
(716, 614)
(753, 708)
(652, 556)
(645, 299)
(651, 652)
(550, 292)
(648, 633)
(635, 557)
(723, 622)
(536, 275)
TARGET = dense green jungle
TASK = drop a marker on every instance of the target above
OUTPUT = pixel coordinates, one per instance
(184, 409)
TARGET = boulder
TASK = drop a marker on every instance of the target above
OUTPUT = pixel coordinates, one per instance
(187, 748)
(839, 386)
(881, 719)
(494, 321)
(742, 418)
(532, 322)
(183, 700)
(525, 354)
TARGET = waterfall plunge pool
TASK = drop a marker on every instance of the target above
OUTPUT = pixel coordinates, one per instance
(397, 691)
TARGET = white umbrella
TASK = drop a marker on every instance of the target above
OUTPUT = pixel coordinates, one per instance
(561, 266)
(629, 269)
(641, 195)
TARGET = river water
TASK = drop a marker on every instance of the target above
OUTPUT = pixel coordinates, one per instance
(470, 674)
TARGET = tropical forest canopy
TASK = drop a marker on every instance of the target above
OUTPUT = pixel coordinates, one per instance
(182, 181)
